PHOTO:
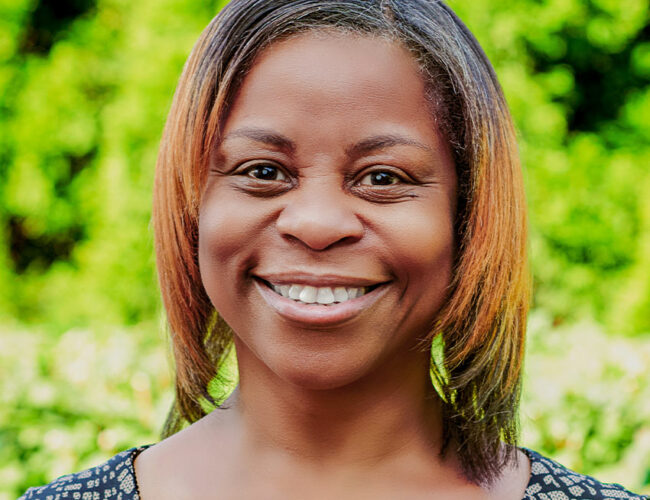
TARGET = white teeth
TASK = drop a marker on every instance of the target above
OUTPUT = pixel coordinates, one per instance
(322, 295)
(308, 294)
(340, 294)
(294, 292)
(325, 296)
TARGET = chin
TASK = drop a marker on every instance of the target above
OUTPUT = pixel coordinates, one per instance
(320, 379)
(318, 371)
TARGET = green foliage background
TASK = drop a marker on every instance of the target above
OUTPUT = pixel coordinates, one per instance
(85, 86)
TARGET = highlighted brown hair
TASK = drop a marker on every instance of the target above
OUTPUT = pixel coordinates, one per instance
(481, 328)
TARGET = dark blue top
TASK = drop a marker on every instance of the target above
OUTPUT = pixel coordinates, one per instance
(115, 480)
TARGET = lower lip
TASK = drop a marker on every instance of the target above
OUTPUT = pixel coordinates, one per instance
(318, 315)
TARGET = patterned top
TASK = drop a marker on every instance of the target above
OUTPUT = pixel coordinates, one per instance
(551, 481)
(115, 480)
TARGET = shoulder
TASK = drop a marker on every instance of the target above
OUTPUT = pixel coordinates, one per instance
(551, 480)
(186, 465)
(115, 478)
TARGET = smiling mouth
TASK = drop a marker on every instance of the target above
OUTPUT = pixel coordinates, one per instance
(319, 295)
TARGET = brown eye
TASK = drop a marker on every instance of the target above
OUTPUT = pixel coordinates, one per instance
(265, 173)
(380, 178)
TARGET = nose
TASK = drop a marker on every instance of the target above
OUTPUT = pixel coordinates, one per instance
(319, 218)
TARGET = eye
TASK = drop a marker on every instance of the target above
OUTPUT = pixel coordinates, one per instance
(265, 173)
(380, 178)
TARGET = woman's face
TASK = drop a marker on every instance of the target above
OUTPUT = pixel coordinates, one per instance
(326, 225)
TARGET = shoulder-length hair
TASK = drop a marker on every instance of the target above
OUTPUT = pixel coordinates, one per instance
(476, 367)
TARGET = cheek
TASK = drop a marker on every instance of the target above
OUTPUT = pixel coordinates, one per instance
(220, 237)
(424, 253)
(229, 224)
(423, 243)
(224, 236)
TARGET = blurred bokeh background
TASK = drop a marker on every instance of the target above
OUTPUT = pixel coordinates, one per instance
(85, 86)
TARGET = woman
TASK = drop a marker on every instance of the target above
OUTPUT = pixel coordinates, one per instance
(339, 180)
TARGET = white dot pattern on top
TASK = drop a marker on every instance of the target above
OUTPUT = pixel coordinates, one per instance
(112, 480)
(551, 481)
(115, 480)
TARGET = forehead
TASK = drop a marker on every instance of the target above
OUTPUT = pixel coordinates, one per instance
(338, 58)
(338, 83)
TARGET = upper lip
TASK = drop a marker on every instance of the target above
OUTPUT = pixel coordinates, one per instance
(317, 280)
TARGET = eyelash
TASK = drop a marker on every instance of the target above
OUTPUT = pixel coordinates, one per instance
(394, 176)
(259, 166)
(400, 187)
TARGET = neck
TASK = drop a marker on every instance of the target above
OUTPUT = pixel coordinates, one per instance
(383, 416)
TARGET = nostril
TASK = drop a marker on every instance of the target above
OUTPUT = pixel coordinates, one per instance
(321, 227)
(319, 239)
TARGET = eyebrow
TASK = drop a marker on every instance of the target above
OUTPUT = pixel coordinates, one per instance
(383, 141)
(265, 136)
(364, 146)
